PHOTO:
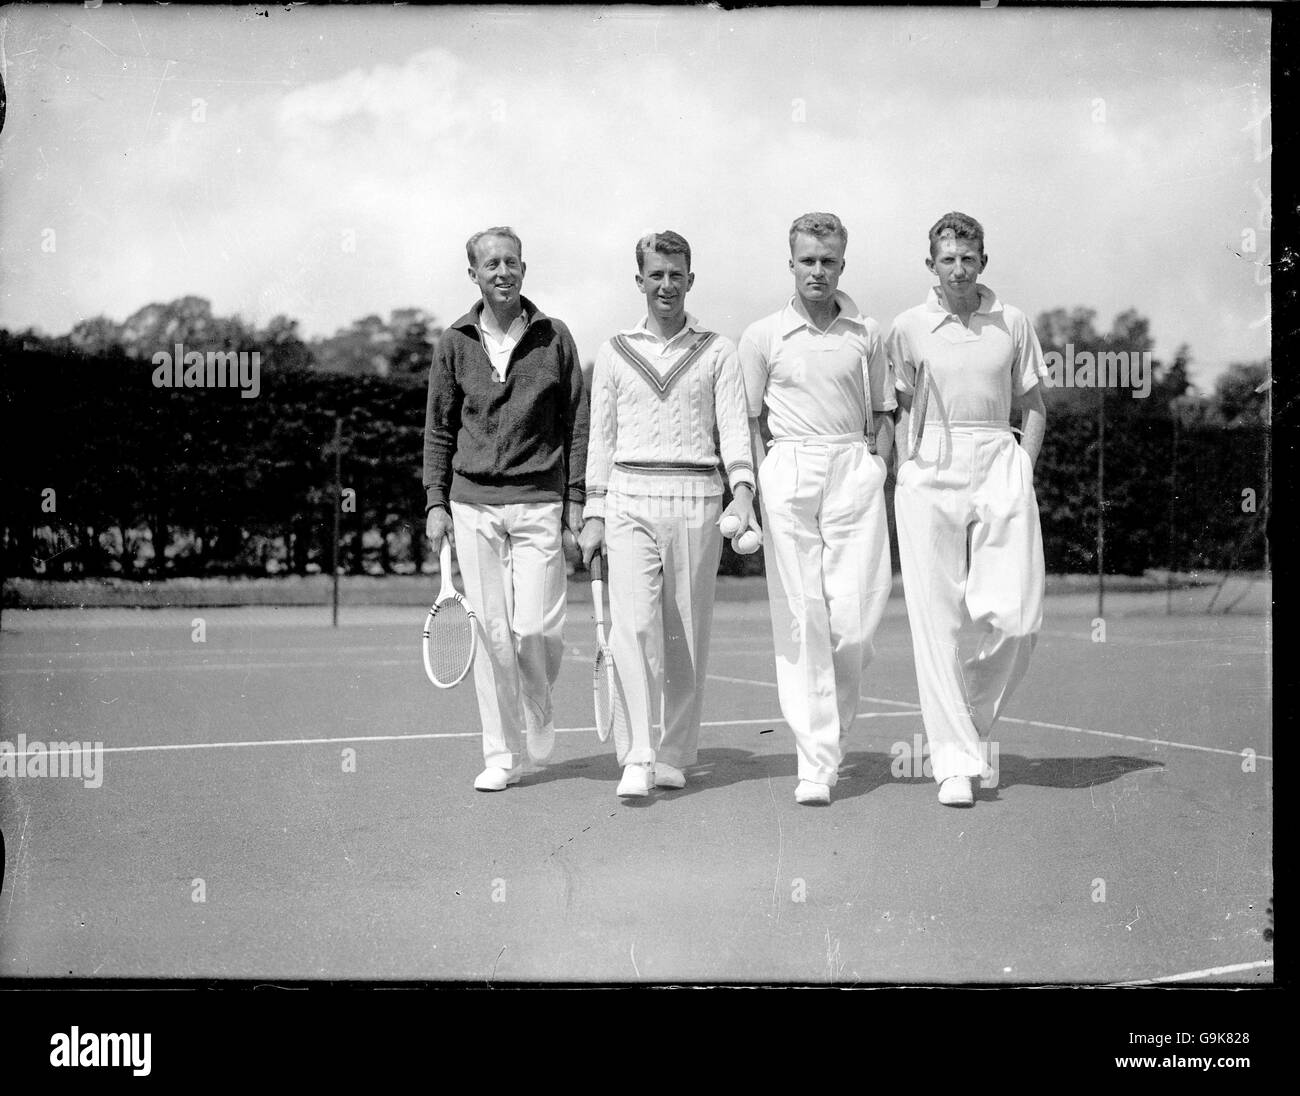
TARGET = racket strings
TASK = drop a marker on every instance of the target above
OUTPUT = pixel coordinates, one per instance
(451, 641)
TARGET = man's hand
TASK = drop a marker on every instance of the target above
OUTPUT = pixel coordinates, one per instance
(591, 540)
(884, 424)
(572, 525)
(439, 525)
(1033, 423)
(742, 508)
(902, 434)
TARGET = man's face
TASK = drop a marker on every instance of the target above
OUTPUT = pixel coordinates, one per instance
(817, 264)
(957, 264)
(499, 273)
(665, 282)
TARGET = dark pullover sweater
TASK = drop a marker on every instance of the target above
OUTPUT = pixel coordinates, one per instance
(495, 442)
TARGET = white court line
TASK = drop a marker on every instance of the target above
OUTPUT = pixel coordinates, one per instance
(393, 737)
(772, 685)
(167, 652)
(1243, 642)
(1132, 738)
(167, 667)
(304, 664)
(1193, 974)
(92, 671)
(1035, 723)
(908, 705)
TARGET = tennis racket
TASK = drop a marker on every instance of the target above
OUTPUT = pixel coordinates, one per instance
(602, 671)
(920, 403)
(450, 631)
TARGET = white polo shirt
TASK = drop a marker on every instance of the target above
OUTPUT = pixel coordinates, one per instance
(500, 344)
(976, 370)
(815, 382)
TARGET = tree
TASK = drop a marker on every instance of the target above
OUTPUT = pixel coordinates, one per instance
(403, 346)
(1241, 394)
(415, 341)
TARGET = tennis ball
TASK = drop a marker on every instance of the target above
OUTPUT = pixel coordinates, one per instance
(747, 543)
(729, 525)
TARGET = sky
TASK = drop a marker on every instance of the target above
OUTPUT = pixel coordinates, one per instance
(330, 163)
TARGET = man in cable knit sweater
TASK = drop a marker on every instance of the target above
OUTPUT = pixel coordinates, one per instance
(654, 498)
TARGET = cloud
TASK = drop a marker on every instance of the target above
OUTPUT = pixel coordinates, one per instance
(353, 190)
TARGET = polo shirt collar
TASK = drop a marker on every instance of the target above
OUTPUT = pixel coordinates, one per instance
(938, 310)
(792, 319)
(470, 320)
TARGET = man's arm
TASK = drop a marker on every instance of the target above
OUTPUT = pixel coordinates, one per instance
(1033, 426)
(576, 434)
(734, 439)
(879, 380)
(1028, 373)
(884, 421)
(754, 372)
(603, 439)
(441, 424)
(902, 430)
(903, 369)
(756, 447)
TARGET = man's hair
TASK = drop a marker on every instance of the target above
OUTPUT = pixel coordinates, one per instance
(666, 242)
(820, 225)
(471, 246)
(959, 227)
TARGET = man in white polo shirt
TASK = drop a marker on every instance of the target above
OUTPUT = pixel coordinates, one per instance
(654, 496)
(968, 530)
(819, 366)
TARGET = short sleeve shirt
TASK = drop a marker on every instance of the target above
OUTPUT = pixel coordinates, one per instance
(977, 369)
(815, 382)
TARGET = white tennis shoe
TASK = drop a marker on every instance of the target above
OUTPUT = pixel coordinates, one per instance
(636, 781)
(669, 776)
(540, 742)
(812, 793)
(956, 792)
(494, 779)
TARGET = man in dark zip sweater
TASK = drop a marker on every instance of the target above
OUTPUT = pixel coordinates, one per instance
(505, 451)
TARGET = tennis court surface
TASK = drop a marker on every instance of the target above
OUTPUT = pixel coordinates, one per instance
(287, 800)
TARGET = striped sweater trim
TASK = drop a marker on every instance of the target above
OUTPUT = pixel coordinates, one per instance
(662, 385)
(666, 467)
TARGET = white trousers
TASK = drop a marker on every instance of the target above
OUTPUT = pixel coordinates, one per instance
(663, 571)
(972, 550)
(827, 552)
(512, 566)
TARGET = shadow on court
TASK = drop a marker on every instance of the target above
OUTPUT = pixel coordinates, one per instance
(862, 772)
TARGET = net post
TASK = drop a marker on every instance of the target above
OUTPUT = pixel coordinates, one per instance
(1173, 514)
(1101, 501)
(338, 506)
